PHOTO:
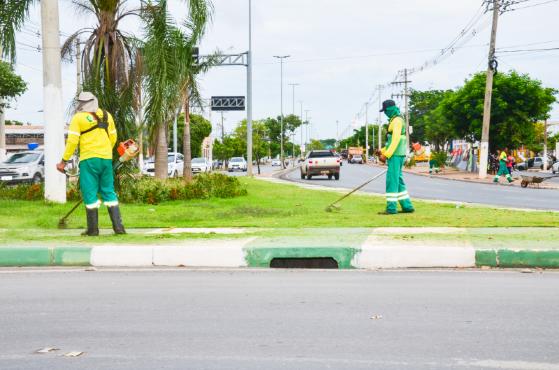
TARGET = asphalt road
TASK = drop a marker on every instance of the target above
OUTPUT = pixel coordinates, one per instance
(270, 319)
(424, 187)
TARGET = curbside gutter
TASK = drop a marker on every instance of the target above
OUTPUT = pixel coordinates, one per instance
(235, 253)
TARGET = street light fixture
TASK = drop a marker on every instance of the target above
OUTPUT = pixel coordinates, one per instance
(281, 58)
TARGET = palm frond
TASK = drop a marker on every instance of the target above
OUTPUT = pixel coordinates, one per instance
(13, 15)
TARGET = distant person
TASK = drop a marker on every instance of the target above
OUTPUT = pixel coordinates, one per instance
(94, 131)
(510, 163)
(503, 171)
(394, 153)
(433, 165)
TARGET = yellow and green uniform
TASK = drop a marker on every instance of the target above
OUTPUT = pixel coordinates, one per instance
(503, 170)
(395, 151)
(96, 153)
(433, 165)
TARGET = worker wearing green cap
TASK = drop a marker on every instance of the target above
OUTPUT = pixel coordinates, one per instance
(395, 154)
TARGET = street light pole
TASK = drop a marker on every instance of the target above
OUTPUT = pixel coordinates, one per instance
(366, 131)
(249, 91)
(293, 86)
(281, 58)
(301, 117)
(379, 88)
(55, 182)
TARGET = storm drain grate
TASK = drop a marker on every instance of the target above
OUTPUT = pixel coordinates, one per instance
(304, 263)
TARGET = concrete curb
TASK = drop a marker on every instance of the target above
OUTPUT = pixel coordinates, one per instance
(239, 253)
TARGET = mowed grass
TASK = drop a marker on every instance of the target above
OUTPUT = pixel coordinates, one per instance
(270, 205)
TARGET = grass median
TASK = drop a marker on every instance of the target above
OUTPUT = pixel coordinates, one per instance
(267, 205)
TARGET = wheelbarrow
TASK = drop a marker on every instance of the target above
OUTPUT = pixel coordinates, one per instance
(534, 179)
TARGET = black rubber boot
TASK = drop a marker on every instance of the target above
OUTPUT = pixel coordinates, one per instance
(92, 222)
(114, 213)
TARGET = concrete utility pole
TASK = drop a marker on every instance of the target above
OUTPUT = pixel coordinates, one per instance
(308, 141)
(281, 58)
(301, 118)
(405, 95)
(545, 146)
(3, 155)
(78, 67)
(406, 104)
(249, 91)
(55, 182)
(484, 150)
(366, 131)
(293, 86)
(222, 128)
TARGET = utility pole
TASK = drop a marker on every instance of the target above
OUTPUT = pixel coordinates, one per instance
(222, 128)
(281, 58)
(308, 141)
(545, 146)
(379, 88)
(3, 155)
(366, 131)
(249, 91)
(55, 182)
(337, 132)
(405, 95)
(293, 86)
(78, 67)
(301, 117)
(491, 66)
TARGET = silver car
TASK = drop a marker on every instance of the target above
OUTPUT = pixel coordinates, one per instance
(27, 166)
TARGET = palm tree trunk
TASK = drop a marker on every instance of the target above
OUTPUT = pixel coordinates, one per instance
(187, 152)
(161, 151)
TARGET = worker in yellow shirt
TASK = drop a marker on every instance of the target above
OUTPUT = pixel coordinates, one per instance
(503, 171)
(395, 153)
(94, 131)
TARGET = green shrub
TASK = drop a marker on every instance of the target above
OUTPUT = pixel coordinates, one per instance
(410, 163)
(145, 189)
(439, 158)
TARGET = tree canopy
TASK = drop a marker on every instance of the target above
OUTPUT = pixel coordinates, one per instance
(11, 84)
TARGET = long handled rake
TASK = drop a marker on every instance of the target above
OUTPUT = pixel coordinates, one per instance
(333, 206)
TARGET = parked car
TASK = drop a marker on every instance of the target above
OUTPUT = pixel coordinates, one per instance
(321, 162)
(200, 165)
(237, 164)
(175, 163)
(536, 162)
(276, 162)
(555, 167)
(27, 166)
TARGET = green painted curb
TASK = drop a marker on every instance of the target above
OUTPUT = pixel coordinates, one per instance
(262, 256)
(486, 258)
(45, 256)
(522, 258)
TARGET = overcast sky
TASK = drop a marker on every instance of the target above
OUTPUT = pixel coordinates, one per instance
(340, 51)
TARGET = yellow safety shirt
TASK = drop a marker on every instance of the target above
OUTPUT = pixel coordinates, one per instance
(98, 143)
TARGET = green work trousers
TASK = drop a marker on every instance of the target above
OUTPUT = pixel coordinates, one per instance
(503, 171)
(396, 191)
(96, 177)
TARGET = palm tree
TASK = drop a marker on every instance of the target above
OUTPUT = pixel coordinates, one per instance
(200, 13)
(171, 68)
(109, 57)
(13, 15)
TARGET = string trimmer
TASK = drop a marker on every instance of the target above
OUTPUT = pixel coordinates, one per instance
(127, 150)
(333, 206)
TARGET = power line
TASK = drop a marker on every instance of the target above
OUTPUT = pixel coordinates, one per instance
(534, 5)
(527, 50)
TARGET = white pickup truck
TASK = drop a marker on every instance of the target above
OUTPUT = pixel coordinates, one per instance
(321, 162)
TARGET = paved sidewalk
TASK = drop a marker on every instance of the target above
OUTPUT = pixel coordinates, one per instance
(450, 173)
(365, 248)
